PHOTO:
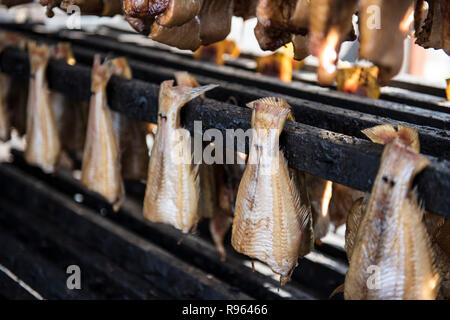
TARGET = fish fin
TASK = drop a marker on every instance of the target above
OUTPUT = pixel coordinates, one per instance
(180, 95)
(271, 104)
(101, 73)
(290, 117)
(381, 134)
(120, 67)
(409, 136)
(307, 241)
(385, 133)
(38, 55)
(183, 78)
(276, 107)
(339, 289)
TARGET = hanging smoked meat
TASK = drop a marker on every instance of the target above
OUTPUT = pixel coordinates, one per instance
(434, 31)
(330, 25)
(42, 139)
(270, 218)
(390, 236)
(101, 169)
(382, 33)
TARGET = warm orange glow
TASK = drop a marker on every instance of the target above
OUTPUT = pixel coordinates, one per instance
(429, 288)
(241, 155)
(328, 56)
(326, 197)
(447, 91)
(359, 80)
(71, 61)
(215, 52)
(407, 20)
(277, 64)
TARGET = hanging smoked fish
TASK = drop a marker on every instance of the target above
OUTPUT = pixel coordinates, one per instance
(270, 217)
(101, 160)
(42, 139)
(391, 239)
(131, 134)
(171, 195)
(319, 191)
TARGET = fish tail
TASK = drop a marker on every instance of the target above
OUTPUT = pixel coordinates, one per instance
(180, 95)
(101, 73)
(385, 133)
(120, 67)
(38, 56)
(381, 134)
(274, 106)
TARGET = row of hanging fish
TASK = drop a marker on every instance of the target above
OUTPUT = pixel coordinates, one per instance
(275, 212)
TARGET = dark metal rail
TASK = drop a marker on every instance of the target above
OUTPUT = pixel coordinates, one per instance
(157, 269)
(336, 157)
(232, 271)
(434, 141)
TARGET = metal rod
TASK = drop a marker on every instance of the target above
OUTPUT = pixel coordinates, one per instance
(346, 160)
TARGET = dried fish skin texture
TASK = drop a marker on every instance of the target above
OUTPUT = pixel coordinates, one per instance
(391, 236)
(42, 139)
(172, 191)
(269, 217)
(101, 170)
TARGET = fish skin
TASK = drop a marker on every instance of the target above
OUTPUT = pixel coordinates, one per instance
(172, 190)
(316, 187)
(101, 169)
(270, 217)
(391, 234)
(42, 139)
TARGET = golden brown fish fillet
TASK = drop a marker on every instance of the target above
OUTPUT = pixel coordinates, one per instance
(179, 12)
(270, 217)
(383, 44)
(42, 140)
(101, 170)
(319, 192)
(130, 134)
(391, 236)
(171, 195)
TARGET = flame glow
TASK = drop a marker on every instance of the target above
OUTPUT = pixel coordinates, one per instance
(328, 55)
(407, 20)
(326, 197)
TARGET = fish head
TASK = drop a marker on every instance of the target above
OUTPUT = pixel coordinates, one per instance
(121, 68)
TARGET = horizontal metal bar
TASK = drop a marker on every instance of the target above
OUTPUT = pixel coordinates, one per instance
(346, 160)
(309, 92)
(36, 271)
(407, 83)
(162, 269)
(434, 142)
(99, 275)
(232, 271)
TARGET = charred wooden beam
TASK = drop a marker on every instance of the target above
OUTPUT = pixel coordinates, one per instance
(346, 160)
(121, 246)
(99, 275)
